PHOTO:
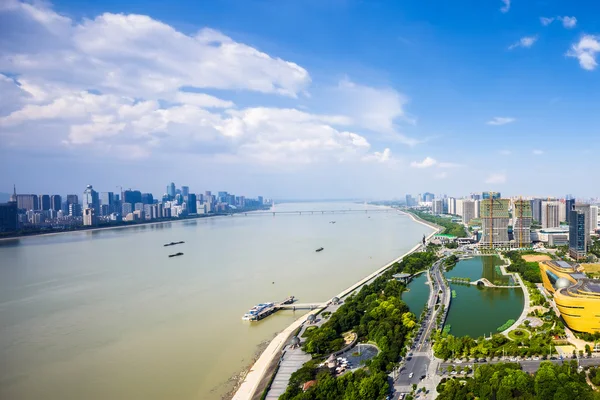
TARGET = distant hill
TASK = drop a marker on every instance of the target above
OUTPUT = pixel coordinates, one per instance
(4, 197)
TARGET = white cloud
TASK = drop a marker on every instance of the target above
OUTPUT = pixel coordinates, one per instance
(585, 51)
(496, 178)
(506, 6)
(524, 42)
(426, 163)
(201, 100)
(538, 152)
(501, 121)
(546, 20)
(505, 152)
(380, 157)
(568, 22)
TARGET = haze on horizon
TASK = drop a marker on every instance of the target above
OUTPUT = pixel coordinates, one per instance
(305, 100)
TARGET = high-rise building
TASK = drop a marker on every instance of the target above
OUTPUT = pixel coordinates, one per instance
(562, 210)
(569, 204)
(550, 214)
(593, 218)
(451, 205)
(9, 215)
(577, 235)
(44, 202)
(91, 199)
(477, 208)
(132, 196)
(490, 195)
(55, 202)
(108, 199)
(185, 191)
(459, 207)
(536, 210)
(171, 190)
(494, 222)
(585, 209)
(75, 210)
(27, 202)
(191, 203)
(147, 198)
(72, 199)
(522, 223)
(138, 207)
(89, 217)
(468, 210)
(126, 208)
(438, 206)
(260, 200)
(428, 197)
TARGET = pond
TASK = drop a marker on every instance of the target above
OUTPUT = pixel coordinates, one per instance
(475, 310)
(417, 294)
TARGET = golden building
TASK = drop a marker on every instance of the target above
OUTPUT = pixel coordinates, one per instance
(576, 297)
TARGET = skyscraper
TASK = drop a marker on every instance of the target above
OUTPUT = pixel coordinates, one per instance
(569, 204)
(593, 218)
(9, 217)
(428, 197)
(494, 222)
(132, 196)
(191, 203)
(72, 199)
(577, 235)
(550, 214)
(438, 206)
(585, 209)
(89, 217)
(147, 198)
(108, 199)
(171, 190)
(27, 202)
(468, 210)
(55, 202)
(44, 202)
(522, 223)
(185, 191)
(536, 210)
(91, 200)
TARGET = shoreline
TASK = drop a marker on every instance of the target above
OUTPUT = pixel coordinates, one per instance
(257, 372)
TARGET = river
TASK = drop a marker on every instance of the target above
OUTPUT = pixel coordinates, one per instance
(477, 311)
(107, 315)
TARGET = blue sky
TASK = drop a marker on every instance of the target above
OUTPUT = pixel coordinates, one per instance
(307, 99)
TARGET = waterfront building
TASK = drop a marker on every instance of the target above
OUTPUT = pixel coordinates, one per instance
(451, 205)
(89, 216)
(522, 223)
(260, 200)
(55, 202)
(9, 217)
(585, 209)
(468, 211)
(578, 235)
(126, 208)
(171, 190)
(536, 210)
(138, 206)
(75, 210)
(577, 297)
(91, 199)
(107, 199)
(494, 222)
(147, 198)
(428, 197)
(148, 213)
(550, 214)
(185, 191)
(593, 218)
(132, 196)
(139, 215)
(72, 199)
(27, 202)
(44, 202)
(191, 204)
(438, 206)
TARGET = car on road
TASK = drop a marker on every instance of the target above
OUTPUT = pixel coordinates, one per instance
(536, 358)
(453, 373)
(410, 375)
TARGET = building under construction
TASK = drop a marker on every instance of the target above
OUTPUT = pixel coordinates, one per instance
(495, 217)
(522, 217)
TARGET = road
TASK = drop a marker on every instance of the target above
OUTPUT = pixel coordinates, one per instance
(526, 365)
(420, 361)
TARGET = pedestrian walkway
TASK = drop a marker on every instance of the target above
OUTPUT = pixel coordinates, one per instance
(292, 360)
(526, 305)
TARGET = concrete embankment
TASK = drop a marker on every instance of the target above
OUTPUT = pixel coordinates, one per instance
(256, 375)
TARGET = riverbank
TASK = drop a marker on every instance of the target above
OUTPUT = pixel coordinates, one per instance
(258, 371)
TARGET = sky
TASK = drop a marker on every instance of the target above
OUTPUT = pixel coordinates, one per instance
(301, 99)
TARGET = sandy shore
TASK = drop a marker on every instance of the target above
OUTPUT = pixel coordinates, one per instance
(258, 371)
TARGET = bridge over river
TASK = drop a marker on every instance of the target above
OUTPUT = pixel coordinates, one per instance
(311, 212)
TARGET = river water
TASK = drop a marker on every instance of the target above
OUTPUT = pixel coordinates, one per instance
(107, 315)
(477, 311)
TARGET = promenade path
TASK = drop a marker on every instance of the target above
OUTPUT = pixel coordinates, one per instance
(264, 363)
(526, 304)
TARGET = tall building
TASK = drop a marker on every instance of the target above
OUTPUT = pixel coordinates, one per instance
(75, 210)
(536, 210)
(89, 217)
(593, 218)
(494, 222)
(410, 201)
(132, 196)
(585, 209)
(44, 202)
(171, 190)
(185, 191)
(147, 198)
(490, 195)
(569, 204)
(550, 214)
(562, 211)
(468, 210)
(451, 205)
(191, 204)
(438, 206)
(428, 197)
(91, 199)
(577, 235)
(126, 208)
(72, 199)
(459, 207)
(108, 199)
(9, 215)
(55, 202)
(522, 223)
(27, 202)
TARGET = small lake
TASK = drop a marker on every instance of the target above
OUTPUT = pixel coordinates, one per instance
(417, 294)
(477, 311)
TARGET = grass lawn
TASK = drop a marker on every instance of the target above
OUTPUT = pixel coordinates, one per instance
(518, 334)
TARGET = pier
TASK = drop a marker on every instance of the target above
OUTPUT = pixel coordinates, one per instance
(287, 304)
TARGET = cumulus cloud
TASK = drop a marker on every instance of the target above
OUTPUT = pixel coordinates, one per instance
(426, 163)
(496, 178)
(585, 51)
(129, 85)
(567, 22)
(501, 121)
(506, 7)
(524, 42)
(546, 20)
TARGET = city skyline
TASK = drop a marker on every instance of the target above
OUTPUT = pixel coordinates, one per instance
(449, 99)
